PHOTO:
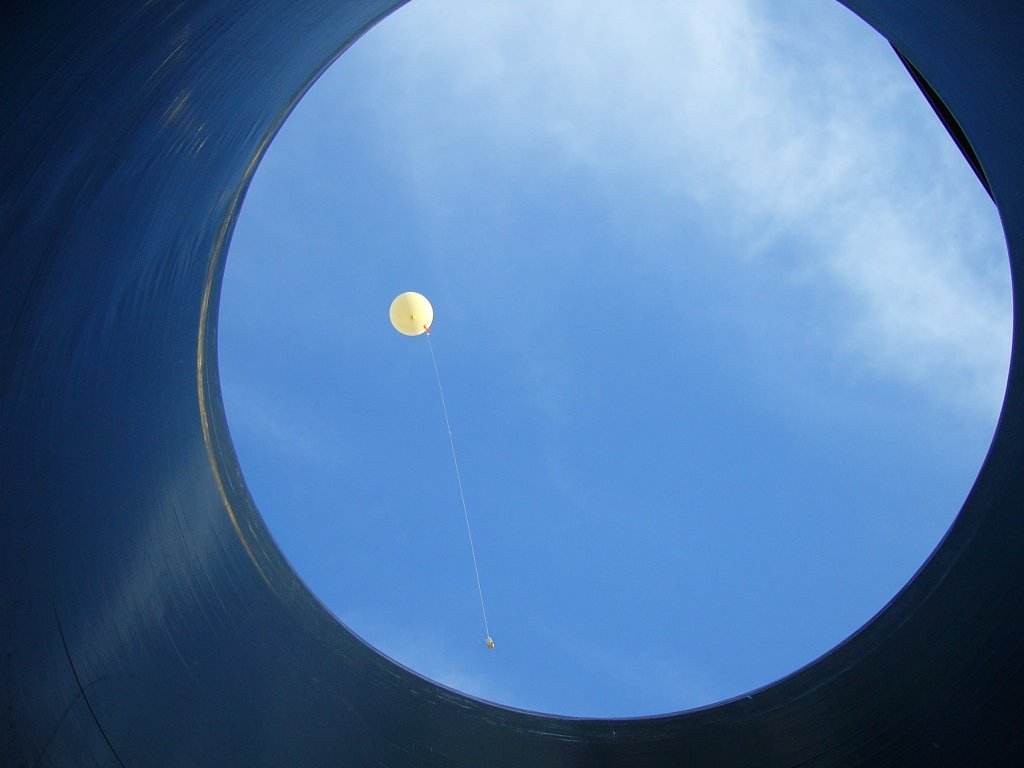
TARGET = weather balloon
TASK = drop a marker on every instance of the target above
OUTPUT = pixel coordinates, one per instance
(411, 313)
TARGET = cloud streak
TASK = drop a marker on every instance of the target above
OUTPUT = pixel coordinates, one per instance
(771, 131)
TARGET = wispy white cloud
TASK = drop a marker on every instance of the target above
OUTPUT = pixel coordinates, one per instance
(276, 425)
(773, 130)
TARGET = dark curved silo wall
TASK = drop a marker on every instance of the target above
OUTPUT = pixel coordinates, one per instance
(147, 617)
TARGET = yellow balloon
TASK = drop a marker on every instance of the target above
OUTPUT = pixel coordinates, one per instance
(411, 313)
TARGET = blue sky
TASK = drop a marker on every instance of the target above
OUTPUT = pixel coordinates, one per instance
(722, 316)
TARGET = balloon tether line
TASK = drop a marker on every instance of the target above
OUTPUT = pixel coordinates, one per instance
(462, 494)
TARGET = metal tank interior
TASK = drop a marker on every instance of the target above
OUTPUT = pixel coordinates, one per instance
(148, 617)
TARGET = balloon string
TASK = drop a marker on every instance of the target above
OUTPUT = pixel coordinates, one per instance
(462, 495)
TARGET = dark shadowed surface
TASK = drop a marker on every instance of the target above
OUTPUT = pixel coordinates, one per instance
(148, 619)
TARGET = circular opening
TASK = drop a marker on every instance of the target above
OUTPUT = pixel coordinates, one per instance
(722, 317)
